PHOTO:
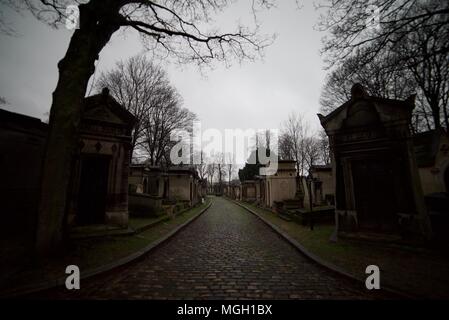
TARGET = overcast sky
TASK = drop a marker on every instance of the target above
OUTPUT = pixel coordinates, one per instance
(255, 95)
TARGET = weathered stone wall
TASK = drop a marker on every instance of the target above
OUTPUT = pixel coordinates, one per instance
(280, 188)
(22, 141)
(144, 205)
(249, 192)
(179, 187)
(327, 186)
(135, 180)
(432, 177)
(432, 180)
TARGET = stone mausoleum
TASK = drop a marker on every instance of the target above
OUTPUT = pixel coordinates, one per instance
(99, 179)
(101, 168)
(376, 178)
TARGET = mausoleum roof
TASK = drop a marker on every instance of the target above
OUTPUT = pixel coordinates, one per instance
(358, 94)
(103, 107)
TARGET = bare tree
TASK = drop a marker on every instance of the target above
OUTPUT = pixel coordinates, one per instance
(430, 71)
(378, 77)
(311, 151)
(324, 148)
(350, 26)
(170, 27)
(293, 141)
(202, 166)
(211, 169)
(165, 118)
(285, 147)
(135, 84)
(220, 162)
(410, 42)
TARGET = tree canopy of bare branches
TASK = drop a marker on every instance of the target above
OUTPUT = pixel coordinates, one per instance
(377, 76)
(165, 118)
(406, 53)
(180, 29)
(349, 28)
(136, 84)
(294, 132)
(299, 143)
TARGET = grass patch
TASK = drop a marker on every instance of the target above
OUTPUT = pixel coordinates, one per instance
(136, 223)
(418, 271)
(95, 252)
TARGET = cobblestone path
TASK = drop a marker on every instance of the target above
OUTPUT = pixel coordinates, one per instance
(226, 253)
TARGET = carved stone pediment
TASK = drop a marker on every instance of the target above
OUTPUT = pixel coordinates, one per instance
(104, 109)
(363, 111)
(361, 114)
(104, 114)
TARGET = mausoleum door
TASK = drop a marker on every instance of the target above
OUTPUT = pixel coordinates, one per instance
(374, 194)
(93, 189)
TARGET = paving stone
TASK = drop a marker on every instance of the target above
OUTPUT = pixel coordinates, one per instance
(225, 253)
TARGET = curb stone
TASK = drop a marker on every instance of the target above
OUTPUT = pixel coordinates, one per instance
(49, 284)
(316, 258)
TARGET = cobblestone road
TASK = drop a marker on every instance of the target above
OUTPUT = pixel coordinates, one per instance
(225, 253)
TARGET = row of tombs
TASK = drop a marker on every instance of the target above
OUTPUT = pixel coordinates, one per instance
(380, 179)
(105, 188)
(286, 188)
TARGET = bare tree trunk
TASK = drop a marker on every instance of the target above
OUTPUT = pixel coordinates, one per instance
(446, 117)
(434, 106)
(96, 28)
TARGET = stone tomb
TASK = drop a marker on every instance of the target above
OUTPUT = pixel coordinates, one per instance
(22, 140)
(322, 185)
(183, 184)
(101, 167)
(374, 169)
(432, 157)
(279, 187)
(249, 190)
(148, 187)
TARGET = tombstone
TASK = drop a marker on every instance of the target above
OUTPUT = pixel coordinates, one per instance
(377, 186)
